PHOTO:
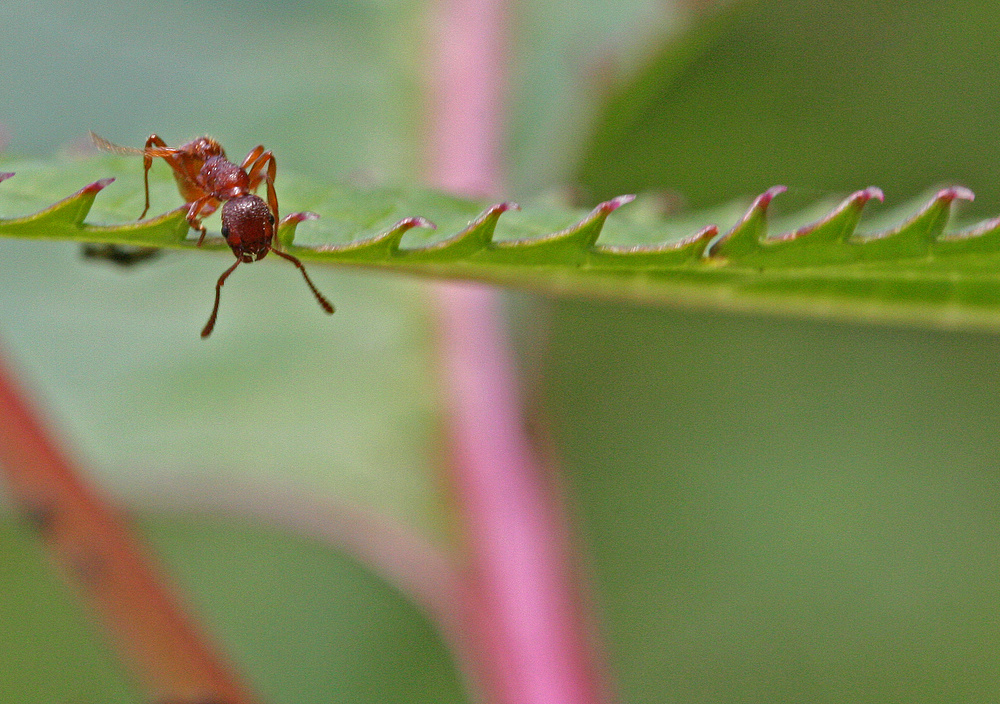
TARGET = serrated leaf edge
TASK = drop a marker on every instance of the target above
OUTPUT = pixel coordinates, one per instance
(833, 239)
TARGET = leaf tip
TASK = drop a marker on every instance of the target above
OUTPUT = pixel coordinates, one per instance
(867, 194)
(6, 175)
(954, 193)
(765, 198)
(705, 233)
(98, 185)
(296, 218)
(609, 206)
(411, 222)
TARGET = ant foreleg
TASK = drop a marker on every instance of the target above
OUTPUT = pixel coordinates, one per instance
(258, 174)
(252, 156)
(194, 211)
(324, 304)
(147, 163)
(255, 168)
(218, 293)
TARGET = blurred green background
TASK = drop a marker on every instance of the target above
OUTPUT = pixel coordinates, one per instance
(772, 510)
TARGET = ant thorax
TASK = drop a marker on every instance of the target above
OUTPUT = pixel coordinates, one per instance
(224, 179)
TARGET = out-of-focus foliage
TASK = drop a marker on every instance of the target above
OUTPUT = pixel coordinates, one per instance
(304, 623)
(775, 510)
(789, 511)
(819, 96)
(281, 395)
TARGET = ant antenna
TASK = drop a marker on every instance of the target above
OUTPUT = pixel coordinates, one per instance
(210, 325)
(324, 304)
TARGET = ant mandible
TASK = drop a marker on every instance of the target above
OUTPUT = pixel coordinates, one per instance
(206, 179)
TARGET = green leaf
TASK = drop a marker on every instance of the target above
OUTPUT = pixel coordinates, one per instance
(913, 271)
(290, 586)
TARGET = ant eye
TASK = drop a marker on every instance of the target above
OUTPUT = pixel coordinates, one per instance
(225, 231)
(270, 216)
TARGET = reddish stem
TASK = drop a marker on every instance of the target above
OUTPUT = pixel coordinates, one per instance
(95, 552)
(531, 644)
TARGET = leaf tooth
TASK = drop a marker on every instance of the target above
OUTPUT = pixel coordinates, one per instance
(475, 237)
(916, 236)
(746, 235)
(79, 204)
(839, 224)
(381, 246)
(572, 245)
(163, 230)
(68, 212)
(392, 238)
(690, 248)
(819, 243)
(288, 224)
(983, 237)
(587, 230)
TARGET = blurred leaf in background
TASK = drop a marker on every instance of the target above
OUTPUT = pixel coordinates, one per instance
(775, 510)
(344, 407)
(779, 510)
(817, 96)
(280, 397)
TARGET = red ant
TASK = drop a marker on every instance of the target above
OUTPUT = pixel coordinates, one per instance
(207, 179)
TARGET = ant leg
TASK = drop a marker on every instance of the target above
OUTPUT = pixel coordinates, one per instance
(252, 156)
(147, 163)
(255, 169)
(272, 197)
(257, 174)
(218, 292)
(325, 304)
(194, 209)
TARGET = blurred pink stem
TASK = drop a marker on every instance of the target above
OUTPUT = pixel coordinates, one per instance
(523, 607)
(532, 646)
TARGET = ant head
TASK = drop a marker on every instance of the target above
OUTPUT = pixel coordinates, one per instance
(248, 226)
